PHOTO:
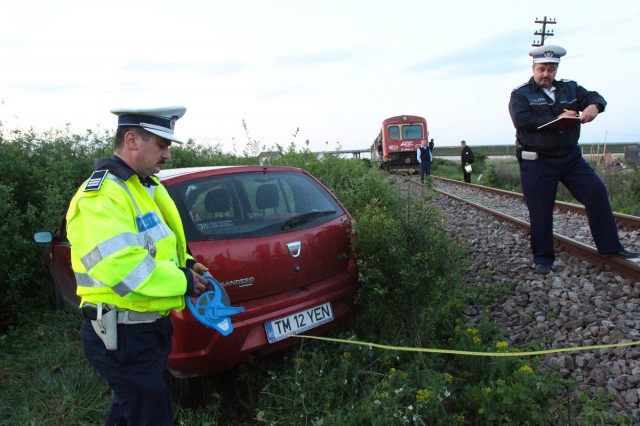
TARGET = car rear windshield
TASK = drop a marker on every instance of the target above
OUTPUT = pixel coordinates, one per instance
(245, 205)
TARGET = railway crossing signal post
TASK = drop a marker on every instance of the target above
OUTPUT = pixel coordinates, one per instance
(544, 33)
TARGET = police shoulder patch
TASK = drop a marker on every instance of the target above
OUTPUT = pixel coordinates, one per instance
(95, 181)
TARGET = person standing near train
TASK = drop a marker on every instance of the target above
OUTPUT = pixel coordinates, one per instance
(551, 155)
(431, 145)
(424, 154)
(466, 158)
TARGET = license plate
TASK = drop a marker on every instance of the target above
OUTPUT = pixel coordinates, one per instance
(299, 322)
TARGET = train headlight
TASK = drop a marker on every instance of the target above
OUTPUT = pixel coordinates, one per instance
(393, 147)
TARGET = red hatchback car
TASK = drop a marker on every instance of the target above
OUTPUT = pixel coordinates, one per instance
(275, 238)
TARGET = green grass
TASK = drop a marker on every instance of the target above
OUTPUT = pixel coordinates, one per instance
(46, 379)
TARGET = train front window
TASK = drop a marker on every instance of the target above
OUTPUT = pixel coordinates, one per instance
(413, 131)
(394, 133)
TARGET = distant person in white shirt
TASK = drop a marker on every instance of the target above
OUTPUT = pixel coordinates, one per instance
(424, 153)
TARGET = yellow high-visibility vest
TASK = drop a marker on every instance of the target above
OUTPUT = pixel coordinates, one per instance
(127, 244)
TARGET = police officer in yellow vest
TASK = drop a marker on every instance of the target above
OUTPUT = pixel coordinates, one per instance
(129, 256)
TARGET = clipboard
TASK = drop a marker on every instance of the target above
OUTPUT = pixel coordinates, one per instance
(560, 123)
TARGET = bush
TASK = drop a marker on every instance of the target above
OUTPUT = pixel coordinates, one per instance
(504, 175)
(192, 154)
(41, 172)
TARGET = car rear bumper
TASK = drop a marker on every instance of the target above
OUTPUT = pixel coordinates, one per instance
(199, 351)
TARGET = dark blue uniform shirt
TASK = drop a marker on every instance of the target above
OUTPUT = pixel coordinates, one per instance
(530, 107)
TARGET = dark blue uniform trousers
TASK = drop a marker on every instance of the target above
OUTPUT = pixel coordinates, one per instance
(425, 169)
(540, 184)
(134, 372)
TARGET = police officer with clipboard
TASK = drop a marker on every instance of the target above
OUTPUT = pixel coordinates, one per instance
(548, 155)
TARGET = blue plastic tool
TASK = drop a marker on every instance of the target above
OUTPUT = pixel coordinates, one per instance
(210, 308)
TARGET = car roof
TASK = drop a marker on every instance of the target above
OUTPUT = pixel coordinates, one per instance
(191, 172)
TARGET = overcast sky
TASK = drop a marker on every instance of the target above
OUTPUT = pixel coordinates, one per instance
(334, 69)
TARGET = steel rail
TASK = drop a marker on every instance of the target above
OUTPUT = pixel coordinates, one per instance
(583, 251)
(621, 218)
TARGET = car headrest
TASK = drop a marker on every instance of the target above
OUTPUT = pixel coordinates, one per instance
(267, 196)
(217, 201)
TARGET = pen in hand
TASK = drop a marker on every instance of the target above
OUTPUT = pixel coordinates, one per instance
(573, 112)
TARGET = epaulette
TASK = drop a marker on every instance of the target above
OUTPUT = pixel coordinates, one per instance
(95, 181)
(522, 85)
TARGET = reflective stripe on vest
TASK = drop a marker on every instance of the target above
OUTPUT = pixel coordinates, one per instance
(128, 284)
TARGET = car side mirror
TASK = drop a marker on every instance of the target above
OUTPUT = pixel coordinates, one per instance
(43, 237)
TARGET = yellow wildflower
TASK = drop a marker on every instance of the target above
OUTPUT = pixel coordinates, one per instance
(526, 369)
(502, 345)
(423, 395)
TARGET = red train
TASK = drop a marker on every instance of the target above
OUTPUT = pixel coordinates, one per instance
(398, 141)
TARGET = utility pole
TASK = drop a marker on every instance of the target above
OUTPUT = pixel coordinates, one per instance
(544, 33)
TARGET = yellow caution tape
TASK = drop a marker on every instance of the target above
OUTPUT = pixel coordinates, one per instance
(469, 353)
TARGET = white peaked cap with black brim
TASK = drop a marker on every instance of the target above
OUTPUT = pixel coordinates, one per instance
(159, 121)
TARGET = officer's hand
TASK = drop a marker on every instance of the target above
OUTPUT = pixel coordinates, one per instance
(200, 284)
(200, 268)
(589, 114)
(569, 113)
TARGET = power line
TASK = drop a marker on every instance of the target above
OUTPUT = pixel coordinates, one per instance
(604, 29)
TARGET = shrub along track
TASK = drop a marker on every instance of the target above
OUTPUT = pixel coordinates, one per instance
(581, 303)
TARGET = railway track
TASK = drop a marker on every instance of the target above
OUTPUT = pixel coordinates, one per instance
(587, 300)
(623, 220)
(571, 234)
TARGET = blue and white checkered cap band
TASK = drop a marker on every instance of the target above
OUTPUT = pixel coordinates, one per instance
(148, 122)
